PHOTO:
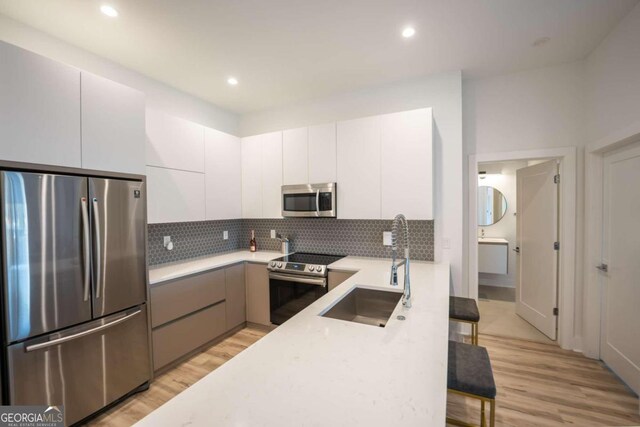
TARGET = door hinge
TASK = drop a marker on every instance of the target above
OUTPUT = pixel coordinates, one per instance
(555, 311)
(556, 179)
(556, 246)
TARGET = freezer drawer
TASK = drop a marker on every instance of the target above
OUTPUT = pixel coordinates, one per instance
(46, 252)
(83, 368)
(118, 228)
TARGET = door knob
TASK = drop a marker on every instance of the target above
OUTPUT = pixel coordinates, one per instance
(603, 267)
(517, 249)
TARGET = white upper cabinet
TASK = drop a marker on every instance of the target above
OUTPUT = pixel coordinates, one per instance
(271, 175)
(113, 116)
(407, 165)
(174, 195)
(359, 168)
(322, 153)
(223, 176)
(174, 143)
(251, 177)
(39, 109)
(295, 160)
(262, 175)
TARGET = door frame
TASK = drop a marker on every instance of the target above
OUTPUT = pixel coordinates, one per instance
(567, 157)
(594, 205)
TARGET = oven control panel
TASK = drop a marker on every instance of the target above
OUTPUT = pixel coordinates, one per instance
(293, 267)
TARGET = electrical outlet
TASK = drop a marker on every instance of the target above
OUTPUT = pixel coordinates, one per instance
(446, 243)
(167, 240)
(273, 234)
(225, 235)
(386, 238)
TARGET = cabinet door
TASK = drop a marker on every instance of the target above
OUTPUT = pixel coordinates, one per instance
(257, 282)
(295, 158)
(39, 109)
(113, 116)
(407, 168)
(271, 175)
(174, 143)
(251, 177)
(322, 153)
(223, 175)
(235, 296)
(359, 168)
(174, 196)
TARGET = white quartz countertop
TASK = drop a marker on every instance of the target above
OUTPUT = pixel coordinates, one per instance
(317, 371)
(493, 240)
(174, 270)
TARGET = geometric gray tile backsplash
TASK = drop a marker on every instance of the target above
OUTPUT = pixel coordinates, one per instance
(322, 235)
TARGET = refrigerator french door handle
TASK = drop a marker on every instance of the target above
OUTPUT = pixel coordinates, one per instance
(86, 243)
(98, 247)
(51, 343)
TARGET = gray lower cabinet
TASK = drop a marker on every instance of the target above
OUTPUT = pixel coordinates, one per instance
(175, 339)
(235, 296)
(257, 281)
(191, 311)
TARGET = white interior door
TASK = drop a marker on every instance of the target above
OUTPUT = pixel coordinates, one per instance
(620, 340)
(537, 231)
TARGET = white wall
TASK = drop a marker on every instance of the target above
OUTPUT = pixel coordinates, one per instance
(613, 81)
(158, 95)
(502, 176)
(444, 94)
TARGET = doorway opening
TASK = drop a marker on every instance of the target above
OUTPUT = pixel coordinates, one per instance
(517, 270)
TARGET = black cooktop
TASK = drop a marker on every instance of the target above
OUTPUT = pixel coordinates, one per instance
(309, 258)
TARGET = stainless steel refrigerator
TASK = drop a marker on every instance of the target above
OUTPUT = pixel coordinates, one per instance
(74, 290)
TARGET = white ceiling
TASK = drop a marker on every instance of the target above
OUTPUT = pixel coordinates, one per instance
(285, 51)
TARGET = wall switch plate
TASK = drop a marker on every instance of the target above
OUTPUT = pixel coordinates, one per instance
(273, 234)
(386, 238)
(446, 243)
(225, 235)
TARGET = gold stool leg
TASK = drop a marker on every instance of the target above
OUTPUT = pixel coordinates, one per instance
(483, 423)
(492, 422)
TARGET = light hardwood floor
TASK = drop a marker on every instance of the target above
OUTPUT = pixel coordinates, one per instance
(543, 385)
(538, 385)
(174, 381)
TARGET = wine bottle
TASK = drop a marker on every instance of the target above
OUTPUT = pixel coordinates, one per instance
(252, 243)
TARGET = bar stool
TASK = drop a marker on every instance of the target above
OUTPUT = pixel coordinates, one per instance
(465, 310)
(469, 374)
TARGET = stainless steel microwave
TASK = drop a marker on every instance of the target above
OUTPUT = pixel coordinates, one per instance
(309, 200)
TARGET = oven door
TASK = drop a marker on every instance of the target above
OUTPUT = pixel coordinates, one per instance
(309, 200)
(290, 294)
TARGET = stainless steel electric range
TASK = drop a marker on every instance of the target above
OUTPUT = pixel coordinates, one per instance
(295, 281)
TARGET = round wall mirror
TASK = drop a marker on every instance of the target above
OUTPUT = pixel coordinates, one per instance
(492, 205)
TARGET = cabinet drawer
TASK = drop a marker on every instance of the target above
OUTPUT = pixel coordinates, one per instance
(178, 298)
(178, 338)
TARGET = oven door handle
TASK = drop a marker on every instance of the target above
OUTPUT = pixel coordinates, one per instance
(297, 279)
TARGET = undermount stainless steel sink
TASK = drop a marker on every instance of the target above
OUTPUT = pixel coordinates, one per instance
(364, 305)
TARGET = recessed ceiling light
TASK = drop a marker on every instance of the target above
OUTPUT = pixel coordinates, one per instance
(408, 32)
(108, 10)
(232, 81)
(541, 41)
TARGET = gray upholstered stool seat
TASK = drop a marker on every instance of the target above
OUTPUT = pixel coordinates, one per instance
(465, 310)
(469, 373)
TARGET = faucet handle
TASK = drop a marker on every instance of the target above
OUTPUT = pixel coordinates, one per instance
(394, 275)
